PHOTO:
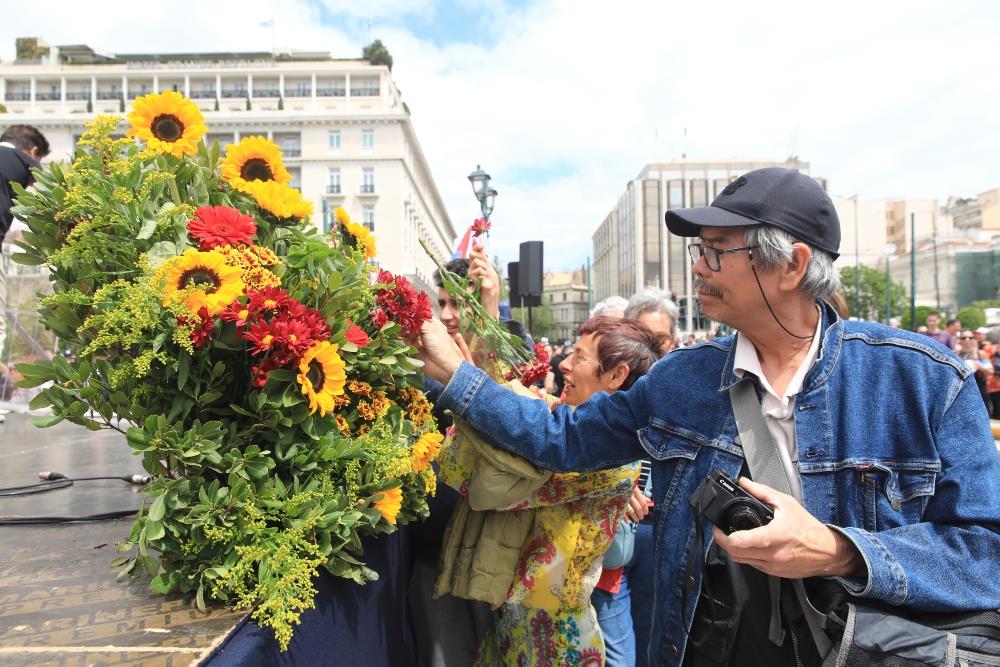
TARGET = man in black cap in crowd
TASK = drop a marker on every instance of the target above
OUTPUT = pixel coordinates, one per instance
(889, 492)
(21, 149)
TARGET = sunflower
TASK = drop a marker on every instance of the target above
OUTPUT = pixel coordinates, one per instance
(425, 450)
(279, 199)
(168, 122)
(253, 159)
(321, 374)
(389, 504)
(362, 236)
(202, 279)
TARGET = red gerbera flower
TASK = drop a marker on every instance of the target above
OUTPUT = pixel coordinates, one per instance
(356, 335)
(215, 226)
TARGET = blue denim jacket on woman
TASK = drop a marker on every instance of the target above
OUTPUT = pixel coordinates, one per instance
(894, 450)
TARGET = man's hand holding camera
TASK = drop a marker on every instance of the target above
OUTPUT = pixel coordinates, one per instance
(794, 544)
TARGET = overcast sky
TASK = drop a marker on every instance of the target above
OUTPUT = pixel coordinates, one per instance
(563, 102)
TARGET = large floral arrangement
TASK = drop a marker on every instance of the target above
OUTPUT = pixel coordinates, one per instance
(256, 366)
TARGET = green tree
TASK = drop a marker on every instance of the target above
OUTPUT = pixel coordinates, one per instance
(972, 317)
(376, 54)
(543, 321)
(922, 313)
(871, 305)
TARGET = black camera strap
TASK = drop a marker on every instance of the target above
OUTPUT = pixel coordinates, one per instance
(764, 462)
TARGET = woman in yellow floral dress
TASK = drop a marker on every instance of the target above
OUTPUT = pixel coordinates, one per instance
(547, 619)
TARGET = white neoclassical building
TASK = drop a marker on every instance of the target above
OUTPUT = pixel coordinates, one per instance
(346, 134)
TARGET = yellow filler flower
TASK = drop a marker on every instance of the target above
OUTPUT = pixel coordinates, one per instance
(279, 199)
(168, 122)
(390, 504)
(253, 159)
(202, 279)
(322, 376)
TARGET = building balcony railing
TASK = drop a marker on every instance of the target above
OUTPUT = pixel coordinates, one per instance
(296, 92)
(265, 92)
(48, 97)
(133, 94)
(294, 151)
(17, 97)
(203, 94)
(330, 92)
(229, 94)
(364, 92)
(105, 95)
(78, 95)
(367, 189)
(333, 189)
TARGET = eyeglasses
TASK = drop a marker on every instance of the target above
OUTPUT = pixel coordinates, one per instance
(967, 338)
(712, 255)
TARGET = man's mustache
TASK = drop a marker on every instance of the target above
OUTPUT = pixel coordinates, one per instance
(701, 286)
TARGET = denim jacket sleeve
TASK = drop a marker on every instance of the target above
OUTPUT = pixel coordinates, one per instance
(950, 560)
(599, 434)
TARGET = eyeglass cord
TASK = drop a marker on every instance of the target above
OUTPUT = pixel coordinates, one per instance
(768, 303)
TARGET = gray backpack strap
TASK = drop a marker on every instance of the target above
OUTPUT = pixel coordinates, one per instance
(762, 458)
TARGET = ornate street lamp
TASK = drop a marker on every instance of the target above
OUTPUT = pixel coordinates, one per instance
(481, 189)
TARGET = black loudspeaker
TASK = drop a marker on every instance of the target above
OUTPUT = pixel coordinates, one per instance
(517, 299)
(530, 268)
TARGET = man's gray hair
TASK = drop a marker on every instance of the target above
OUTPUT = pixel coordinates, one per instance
(609, 305)
(774, 249)
(650, 299)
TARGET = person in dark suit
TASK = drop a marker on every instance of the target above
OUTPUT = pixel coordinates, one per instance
(21, 148)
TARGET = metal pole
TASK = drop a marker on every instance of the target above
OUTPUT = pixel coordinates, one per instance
(888, 291)
(937, 284)
(913, 271)
(857, 263)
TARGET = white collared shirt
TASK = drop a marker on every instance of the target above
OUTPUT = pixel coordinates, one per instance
(779, 411)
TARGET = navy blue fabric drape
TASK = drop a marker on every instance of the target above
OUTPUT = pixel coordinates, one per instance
(357, 626)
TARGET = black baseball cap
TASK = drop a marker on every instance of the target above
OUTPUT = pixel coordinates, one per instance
(785, 198)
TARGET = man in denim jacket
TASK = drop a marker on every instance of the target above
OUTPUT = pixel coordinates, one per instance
(885, 433)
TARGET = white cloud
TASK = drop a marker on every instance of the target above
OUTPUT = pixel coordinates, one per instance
(883, 98)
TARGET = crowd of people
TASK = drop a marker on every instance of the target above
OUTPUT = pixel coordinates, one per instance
(568, 528)
(878, 469)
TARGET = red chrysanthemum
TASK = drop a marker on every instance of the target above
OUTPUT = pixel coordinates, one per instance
(540, 354)
(215, 226)
(201, 332)
(403, 304)
(379, 318)
(530, 373)
(259, 335)
(268, 299)
(291, 339)
(356, 335)
(260, 373)
(237, 312)
(480, 226)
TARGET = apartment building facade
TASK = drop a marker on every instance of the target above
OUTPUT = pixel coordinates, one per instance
(344, 130)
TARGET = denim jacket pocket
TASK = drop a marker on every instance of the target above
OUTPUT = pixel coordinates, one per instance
(895, 494)
(664, 441)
